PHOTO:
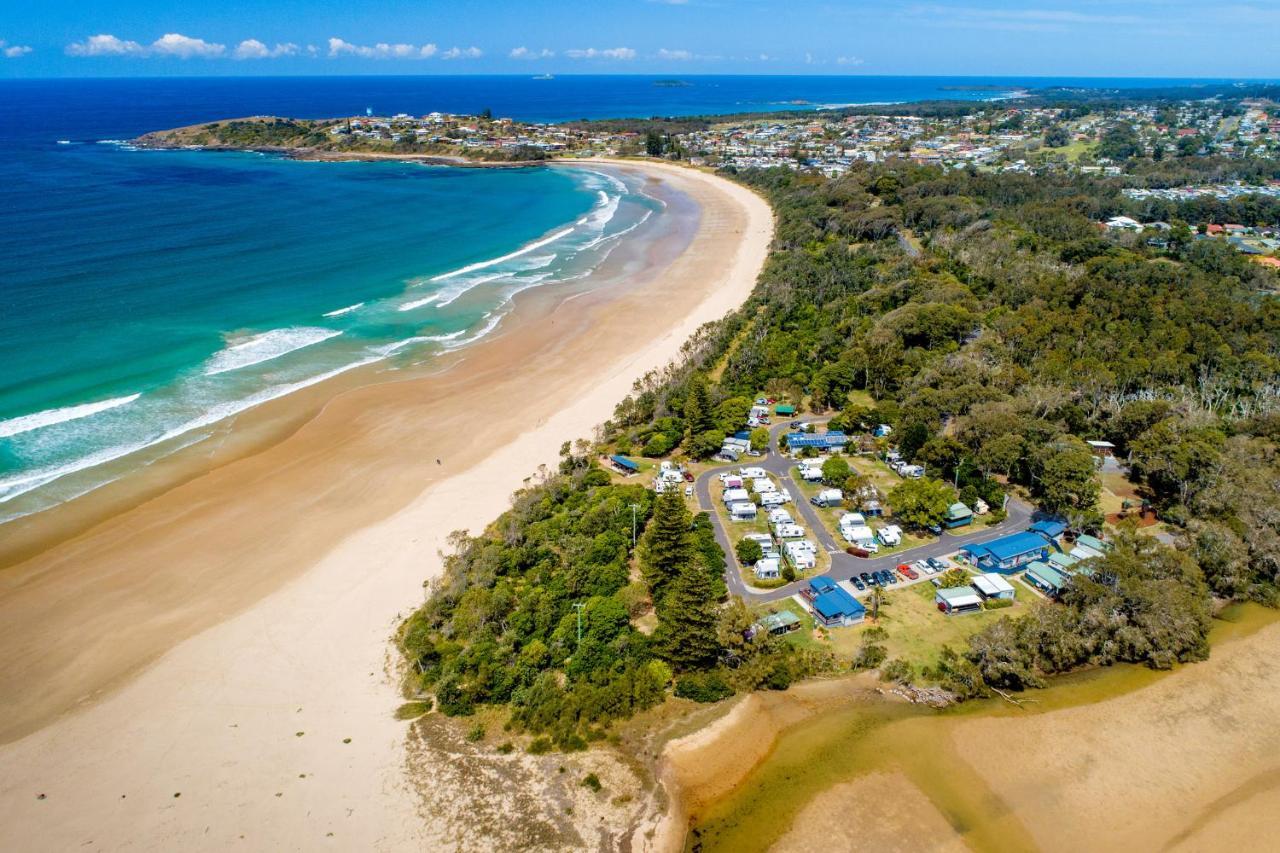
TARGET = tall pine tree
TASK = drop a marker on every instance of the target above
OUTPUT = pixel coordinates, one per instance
(667, 545)
(688, 619)
(697, 406)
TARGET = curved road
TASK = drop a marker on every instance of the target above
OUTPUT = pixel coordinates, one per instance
(843, 565)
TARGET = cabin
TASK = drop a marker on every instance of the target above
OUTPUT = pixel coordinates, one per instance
(623, 465)
(783, 410)
(1049, 528)
(957, 599)
(823, 441)
(992, 585)
(1008, 553)
(832, 606)
(780, 623)
(1045, 578)
(958, 515)
(1064, 563)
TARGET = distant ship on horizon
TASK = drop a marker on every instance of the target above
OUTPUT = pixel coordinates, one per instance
(545, 77)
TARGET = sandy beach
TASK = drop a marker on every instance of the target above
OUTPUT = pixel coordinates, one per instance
(213, 666)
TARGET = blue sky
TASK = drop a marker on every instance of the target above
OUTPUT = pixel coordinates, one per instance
(1161, 38)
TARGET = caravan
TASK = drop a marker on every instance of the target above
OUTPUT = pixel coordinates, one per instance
(736, 496)
(763, 485)
(780, 516)
(742, 511)
(789, 531)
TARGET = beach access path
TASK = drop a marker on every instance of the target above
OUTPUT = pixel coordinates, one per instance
(214, 669)
(843, 565)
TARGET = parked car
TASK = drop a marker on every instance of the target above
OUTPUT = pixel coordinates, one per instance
(886, 577)
(938, 565)
(908, 572)
(688, 476)
(923, 567)
(688, 491)
(857, 582)
(865, 577)
(935, 529)
(855, 551)
(872, 579)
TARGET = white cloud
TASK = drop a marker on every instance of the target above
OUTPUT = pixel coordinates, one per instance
(605, 53)
(185, 47)
(526, 53)
(13, 51)
(381, 50)
(462, 53)
(168, 45)
(677, 55)
(105, 45)
(849, 60)
(254, 49)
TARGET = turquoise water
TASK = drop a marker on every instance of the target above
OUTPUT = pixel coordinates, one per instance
(150, 296)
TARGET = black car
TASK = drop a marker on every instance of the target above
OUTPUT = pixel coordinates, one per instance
(857, 582)
(871, 579)
(886, 579)
(935, 529)
(865, 577)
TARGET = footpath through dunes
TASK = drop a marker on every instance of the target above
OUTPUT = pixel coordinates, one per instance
(227, 643)
(1122, 758)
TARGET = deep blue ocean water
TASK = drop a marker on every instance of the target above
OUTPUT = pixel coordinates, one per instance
(147, 296)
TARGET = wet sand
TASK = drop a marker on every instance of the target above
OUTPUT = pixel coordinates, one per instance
(212, 667)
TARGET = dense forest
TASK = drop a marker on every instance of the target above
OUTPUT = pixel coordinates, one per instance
(1012, 331)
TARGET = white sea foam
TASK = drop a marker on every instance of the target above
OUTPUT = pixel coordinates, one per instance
(346, 310)
(419, 303)
(12, 487)
(265, 347)
(49, 417)
(603, 238)
(391, 349)
(616, 183)
(523, 250)
(493, 320)
(599, 218)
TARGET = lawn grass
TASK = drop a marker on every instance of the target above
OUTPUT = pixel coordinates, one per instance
(916, 631)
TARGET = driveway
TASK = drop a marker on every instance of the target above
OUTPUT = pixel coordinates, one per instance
(843, 565)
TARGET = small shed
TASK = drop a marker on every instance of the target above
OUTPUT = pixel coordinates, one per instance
(958, 515)
(958, 599)
(992, 585)
(784, 410)
(782, 622)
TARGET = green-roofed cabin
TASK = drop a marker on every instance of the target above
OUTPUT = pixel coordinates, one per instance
(1045, 578)
(958, 515)
(783, 410)
(782, 622)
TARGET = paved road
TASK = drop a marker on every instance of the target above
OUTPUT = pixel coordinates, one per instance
(843, 565)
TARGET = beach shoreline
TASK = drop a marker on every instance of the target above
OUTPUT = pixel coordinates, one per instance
(247, 667)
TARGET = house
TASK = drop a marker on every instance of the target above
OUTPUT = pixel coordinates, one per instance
(1102, 448)
(1123, 223)
(623, 465)
(822, 441)
(1049, 528)
(832, 606)
(742, 511)
(957, 599)
(1045, 578)
(784, 411)
(992, 585)
(780, 623)
(1093, 543)
(958, 515)
(1007, 553)
(767, 568)
(1064, 563)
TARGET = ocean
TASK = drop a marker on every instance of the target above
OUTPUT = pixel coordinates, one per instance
(148, 296)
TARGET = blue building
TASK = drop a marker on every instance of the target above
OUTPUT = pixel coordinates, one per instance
(624, 465)
(832, 606)
(1050, 528)
(824, 441)
(1007, 553)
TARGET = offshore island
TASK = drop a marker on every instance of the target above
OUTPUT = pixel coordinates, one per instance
(935, 480)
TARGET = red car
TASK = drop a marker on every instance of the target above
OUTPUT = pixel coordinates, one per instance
(688, 476)
(908, 572)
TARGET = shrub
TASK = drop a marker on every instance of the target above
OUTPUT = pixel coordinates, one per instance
(476, 733)
(540, 746)
(703, 687)
(997, 603)
(869, 656)
(897, 670)
(591, 781)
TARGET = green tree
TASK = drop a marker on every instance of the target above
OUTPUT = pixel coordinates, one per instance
(667, 545)
(920, 503)
(835, 471)
(699, 418)
(749, 551)
(1066, 479)
(688, 619)
(760, 439)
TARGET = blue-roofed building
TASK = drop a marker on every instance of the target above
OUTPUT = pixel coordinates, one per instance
(1050, 528)
(1007, 553)
(625, 465)
(823, 441)
(832, 605)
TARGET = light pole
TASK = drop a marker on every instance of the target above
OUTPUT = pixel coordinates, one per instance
(634, 508)
(578, 607)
